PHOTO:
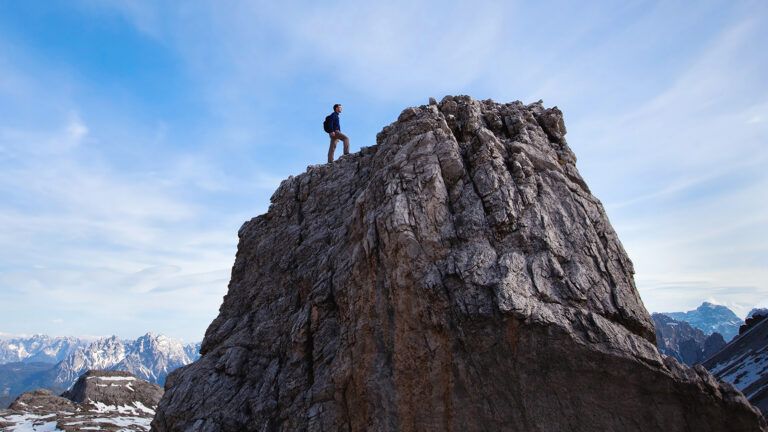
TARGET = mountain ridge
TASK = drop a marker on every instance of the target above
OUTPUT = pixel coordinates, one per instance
(744, 363)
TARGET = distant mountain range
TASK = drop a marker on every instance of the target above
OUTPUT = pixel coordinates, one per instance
(684, 342)
(38, 348)
(692, 337)
(56, 363)
(711, 318)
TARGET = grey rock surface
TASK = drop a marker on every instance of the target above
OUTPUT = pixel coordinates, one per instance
(459, 275)
(99, 400)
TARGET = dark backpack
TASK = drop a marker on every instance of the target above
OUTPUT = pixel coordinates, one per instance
(327, 124)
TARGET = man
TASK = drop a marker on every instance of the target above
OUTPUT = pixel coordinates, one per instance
(336, 134)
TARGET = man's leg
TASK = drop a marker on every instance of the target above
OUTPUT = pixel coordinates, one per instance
(344, 139)
(332, 148)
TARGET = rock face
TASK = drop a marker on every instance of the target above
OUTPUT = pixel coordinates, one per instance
(685, 343)
(459, 275)
(99, 400)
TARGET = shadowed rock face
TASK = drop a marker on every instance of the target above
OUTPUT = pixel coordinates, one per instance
(457, 276)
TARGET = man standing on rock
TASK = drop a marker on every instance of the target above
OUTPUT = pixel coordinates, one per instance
(334, 131)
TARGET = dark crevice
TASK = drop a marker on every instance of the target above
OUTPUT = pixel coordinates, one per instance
(310, 349)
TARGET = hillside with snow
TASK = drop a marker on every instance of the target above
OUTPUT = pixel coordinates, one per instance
(150, 357)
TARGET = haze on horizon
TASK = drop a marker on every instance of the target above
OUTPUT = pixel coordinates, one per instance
(136, 137)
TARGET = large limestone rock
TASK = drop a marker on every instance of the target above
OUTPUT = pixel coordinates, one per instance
(114, 388)
(459, 275)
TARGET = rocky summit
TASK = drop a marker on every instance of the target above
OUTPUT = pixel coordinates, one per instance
(99, 400)
(457, 276)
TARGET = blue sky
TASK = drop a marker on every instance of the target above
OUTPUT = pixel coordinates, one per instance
(136, 137)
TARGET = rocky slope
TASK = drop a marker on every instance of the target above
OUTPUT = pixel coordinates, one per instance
(459, 275)
(744, 363)
(99, 400)
(711, 318)
(685, 343)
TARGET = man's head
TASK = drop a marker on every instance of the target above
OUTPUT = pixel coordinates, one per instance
(337, 108)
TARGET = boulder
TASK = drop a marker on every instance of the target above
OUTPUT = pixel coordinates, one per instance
(459, 275)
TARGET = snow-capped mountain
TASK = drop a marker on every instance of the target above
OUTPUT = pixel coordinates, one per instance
(38, 349)
(193, 350)
(151, 357)
(711, 318)
(101, 354)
